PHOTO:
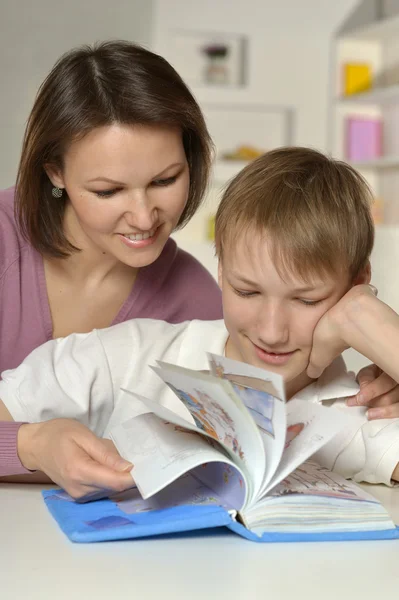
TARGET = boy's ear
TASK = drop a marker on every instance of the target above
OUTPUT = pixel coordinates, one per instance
(220, 273)
(54, 173)
(364, 276)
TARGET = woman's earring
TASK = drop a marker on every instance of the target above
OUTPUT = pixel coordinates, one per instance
(57, 192)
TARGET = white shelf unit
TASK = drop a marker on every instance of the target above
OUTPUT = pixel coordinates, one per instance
(225, 170)
(232, 124)
(385, 162)
(380, 95)
(378, 45)
(380, 31)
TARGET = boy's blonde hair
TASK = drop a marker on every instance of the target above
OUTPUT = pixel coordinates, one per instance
(315, 211)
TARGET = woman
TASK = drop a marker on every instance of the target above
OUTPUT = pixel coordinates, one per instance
(116, 156)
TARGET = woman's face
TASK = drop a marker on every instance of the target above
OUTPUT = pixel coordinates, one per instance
(127, 188)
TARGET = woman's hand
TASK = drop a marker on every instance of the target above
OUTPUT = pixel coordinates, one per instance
(378, 391)
(84, 465)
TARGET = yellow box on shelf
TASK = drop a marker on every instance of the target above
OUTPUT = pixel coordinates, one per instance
(357, 78)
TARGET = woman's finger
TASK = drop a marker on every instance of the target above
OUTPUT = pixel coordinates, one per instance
(91, 477)
(104, 452)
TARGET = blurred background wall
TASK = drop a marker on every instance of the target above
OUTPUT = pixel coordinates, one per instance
(33, 35)
(266, 73)
(288, 51)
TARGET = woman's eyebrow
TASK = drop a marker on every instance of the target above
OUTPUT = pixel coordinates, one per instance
(107, 180)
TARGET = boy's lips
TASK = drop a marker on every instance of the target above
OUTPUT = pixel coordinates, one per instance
(273, 358)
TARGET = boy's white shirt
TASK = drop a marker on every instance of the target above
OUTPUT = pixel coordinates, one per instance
(80, 377)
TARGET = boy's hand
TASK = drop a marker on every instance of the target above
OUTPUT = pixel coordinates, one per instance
(327, 345)
(84, 465)
(334, 333)
(378, 391)
(329, 336)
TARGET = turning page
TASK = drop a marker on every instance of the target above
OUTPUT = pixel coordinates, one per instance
(309, 427)
(263, 395)
(163, 447)
(220, 413)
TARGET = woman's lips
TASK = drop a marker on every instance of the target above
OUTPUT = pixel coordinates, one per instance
(139, 243)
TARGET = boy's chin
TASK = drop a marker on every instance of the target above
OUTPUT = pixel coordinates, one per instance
(293, 377)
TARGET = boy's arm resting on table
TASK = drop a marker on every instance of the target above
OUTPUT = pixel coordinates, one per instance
(367, 450)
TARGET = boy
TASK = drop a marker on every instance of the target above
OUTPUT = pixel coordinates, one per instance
(293, 236)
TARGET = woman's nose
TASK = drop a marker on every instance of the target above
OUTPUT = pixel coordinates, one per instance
(140, 214)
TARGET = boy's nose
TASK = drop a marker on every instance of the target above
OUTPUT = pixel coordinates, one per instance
(274, 327)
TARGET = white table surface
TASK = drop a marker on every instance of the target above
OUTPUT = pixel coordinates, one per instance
(38, 562)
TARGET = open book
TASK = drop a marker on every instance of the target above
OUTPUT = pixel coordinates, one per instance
(238, 459)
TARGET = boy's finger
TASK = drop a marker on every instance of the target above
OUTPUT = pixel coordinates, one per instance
(373, 390)
(314, 371)
(391, 397)
(367, 375)
(385, 412)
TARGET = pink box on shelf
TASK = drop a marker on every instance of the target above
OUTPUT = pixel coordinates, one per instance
(363, 140)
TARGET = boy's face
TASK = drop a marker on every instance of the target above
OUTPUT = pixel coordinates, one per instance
(271, 320)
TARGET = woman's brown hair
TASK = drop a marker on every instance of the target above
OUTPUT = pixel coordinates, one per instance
(111, 82)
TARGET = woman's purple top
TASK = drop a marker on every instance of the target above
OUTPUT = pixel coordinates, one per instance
(175, 288)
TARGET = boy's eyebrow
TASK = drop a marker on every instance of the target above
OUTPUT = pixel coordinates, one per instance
(243, 279)
(299, 290)
(302, 290)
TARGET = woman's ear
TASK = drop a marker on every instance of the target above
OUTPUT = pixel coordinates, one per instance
(364, 277)
(54, 173)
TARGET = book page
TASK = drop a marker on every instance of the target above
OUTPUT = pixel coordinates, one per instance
(219, 412)
(188, 489)
(311, 479)
(255, 377)
(262, 393)
(309, 427)
(314, 499)
(162, 451)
